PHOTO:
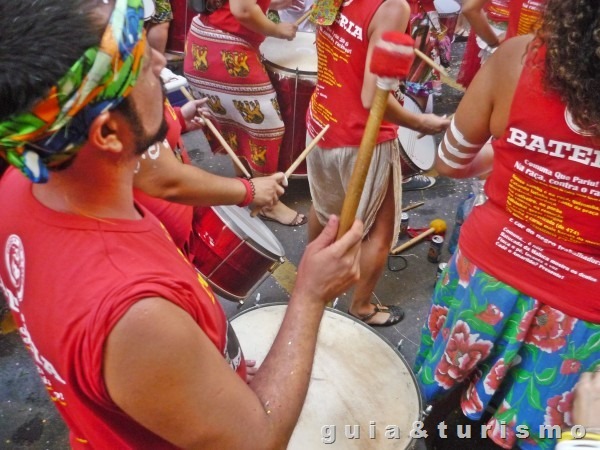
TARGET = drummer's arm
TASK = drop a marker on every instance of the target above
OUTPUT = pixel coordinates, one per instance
(249, 14)
(164, 176)
(482, 113)
(162, 370)
(393, 16)
(473, 11)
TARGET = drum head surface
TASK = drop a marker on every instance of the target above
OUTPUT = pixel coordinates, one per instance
(358, 380)
(446, 6)
(301, 53)
(250, 228)
(421, 152)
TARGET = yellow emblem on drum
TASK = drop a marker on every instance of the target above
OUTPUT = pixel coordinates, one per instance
(214, 103)
(199, 53)
(259, 154)
(236, 63)
(250, 111)
(231, 138)
(275, 104)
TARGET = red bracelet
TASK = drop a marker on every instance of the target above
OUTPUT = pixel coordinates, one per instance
(250, 192)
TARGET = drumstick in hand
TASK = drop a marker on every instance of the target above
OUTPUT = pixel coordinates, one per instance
(392, 58)
(219, 137)
(420, 135)
(309, 148)
(436, 226)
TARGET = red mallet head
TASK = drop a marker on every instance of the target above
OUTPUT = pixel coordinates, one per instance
(393, 55)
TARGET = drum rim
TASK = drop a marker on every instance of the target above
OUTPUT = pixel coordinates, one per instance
(272, 65)
(361, 323)
(267, 61)
(409, 161)
(240, 233)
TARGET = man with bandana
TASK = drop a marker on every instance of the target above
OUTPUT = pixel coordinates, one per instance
(130, 342)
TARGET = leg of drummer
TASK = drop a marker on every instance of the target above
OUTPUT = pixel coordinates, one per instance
(374, 252)
(314, 226)
(158, 26)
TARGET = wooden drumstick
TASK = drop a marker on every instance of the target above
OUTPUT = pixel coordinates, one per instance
(412, 206)
(431, 62)
(219, 137)
(304, 16)
(392, 58)
(309, 148)
(436, 226)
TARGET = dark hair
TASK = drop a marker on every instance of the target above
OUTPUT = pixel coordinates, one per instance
(39, 41)
(571, 32)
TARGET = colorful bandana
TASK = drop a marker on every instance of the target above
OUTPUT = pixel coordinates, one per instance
(58, 125)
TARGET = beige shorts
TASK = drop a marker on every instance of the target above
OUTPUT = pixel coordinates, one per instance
(329, 171)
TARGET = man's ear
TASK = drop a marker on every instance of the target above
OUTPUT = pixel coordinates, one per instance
(106, 133)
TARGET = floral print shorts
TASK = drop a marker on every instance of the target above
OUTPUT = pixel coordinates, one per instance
(506, 345)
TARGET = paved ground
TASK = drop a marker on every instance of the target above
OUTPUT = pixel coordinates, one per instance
(28, 419)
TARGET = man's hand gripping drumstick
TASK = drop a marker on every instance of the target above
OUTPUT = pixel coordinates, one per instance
(391, 61)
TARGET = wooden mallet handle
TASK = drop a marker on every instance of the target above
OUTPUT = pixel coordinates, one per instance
(219, 137)
(363, 161)
(436, 226)
(391, 60)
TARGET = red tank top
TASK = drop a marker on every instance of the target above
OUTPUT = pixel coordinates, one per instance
(524, 17)
(538, 230)
(69, 279)
(342, 52)
(224, 20)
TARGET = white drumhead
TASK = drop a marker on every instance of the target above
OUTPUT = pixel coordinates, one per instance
(249, 228)
(446, 6)
(301, 53)
(421, 151)
(358, 379)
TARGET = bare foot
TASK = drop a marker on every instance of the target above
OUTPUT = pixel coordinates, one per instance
(284, 215)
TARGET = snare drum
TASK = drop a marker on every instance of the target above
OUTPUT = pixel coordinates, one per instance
(358, 380)
(292, 67)
(234, 251)
(417, 155)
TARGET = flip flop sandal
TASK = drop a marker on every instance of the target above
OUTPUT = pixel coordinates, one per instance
(293, 223)
(396, 315)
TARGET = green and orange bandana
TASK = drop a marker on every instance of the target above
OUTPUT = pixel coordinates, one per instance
(57, 126)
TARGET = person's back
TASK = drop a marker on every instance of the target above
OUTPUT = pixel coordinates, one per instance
(518, 296)
(539, 219)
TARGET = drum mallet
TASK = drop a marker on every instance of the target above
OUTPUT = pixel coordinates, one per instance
(437, 226)
(391, 60)
(220, 138)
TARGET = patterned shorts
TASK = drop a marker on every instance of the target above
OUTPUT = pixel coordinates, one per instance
(509, 350)
(163, 12)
